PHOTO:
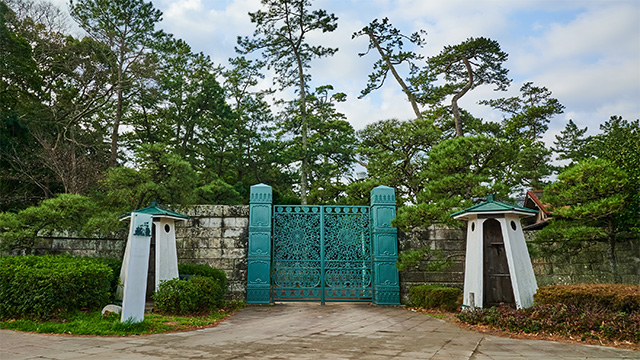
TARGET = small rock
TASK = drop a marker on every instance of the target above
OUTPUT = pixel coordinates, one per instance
(111, 309)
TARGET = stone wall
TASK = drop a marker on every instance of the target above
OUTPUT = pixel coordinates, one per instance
(590, 265)
(452, 244)
(64, 243)
(217, 235)
(587, 266)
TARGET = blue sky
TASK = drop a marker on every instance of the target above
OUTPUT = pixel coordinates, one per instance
(586, 52)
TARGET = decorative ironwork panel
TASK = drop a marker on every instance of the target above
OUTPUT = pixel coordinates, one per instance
(321, 253)
(297, 253)
(347, 260)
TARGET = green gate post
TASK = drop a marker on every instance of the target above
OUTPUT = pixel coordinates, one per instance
(259, 253)
(386, 284)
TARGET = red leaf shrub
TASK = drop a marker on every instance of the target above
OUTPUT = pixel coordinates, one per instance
(600, 311)
(613, 297)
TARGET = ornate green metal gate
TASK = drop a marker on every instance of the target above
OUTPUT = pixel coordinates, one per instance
(321, 253)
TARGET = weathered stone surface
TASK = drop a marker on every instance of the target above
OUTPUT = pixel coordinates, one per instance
(111, 309)
(217, 235)
(213, 222)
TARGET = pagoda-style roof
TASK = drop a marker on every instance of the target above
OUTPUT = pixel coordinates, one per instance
(493, 207)
(157, 212)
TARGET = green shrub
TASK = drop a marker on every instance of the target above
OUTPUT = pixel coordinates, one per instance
(204, 270)
(115, 265)
(196, 295)
(435, 296)
(593, 297)
(50, 285)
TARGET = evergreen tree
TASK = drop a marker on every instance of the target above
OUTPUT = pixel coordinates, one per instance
(280, 34)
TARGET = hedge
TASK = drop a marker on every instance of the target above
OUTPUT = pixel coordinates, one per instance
(206, 271)
(435, 296)
(47, 286)
(594, 297)
(197, 295)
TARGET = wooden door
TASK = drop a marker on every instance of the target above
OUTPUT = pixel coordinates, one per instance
(151, 274)
(497, 281)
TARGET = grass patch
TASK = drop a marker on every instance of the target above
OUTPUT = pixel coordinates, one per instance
(93, 323)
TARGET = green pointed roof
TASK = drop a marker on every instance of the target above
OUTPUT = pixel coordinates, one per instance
(157, 212)
(492, 206)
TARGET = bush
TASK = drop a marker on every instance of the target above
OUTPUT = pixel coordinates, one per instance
(559, 319)
(196, 295)
(47, 286)
(435, 296)
(592, 297)
(115, 265)
(206, 271)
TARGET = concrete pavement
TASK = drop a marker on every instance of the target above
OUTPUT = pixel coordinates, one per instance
(306, 331)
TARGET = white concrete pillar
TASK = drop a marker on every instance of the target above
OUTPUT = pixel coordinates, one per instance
(523, 279)
(473, 267)
(166, 252)
(136, 266)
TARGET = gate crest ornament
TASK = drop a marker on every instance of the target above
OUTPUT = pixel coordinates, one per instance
(323, 253)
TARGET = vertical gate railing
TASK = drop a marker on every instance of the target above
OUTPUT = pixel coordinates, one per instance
(259, 251)
(385, 246)
(322, 253)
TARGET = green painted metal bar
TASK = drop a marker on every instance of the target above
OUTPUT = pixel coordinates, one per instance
(386, 286)
(321, 253)
(322, 257)
(259, 251)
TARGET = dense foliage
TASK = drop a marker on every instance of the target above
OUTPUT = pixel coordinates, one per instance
(435, 297)
(596, 197)
(94, 127)
(47, 286)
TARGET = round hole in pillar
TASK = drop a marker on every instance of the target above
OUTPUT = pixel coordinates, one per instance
(513, 225)
(167, 228)
(473, 226)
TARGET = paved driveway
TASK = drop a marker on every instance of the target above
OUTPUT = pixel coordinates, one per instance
(306, 331)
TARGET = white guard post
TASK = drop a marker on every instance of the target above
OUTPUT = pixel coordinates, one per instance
(520, 270)
(136, 266)
(163, 232)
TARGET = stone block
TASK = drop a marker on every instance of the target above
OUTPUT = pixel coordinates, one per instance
(190, 253)
(235, 222)
(233, 253)
(236, 211)
(42, 243)
(111, 245)
(209, 253)
(412, 276)
(228, 243)
(211, 222)
(439, 277)
(232, 233)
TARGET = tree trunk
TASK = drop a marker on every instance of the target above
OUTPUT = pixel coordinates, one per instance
(113, 158)
(304, 167)
(456, 97)
(404, 86)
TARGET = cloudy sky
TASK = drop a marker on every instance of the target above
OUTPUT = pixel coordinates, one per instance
(587, 52)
